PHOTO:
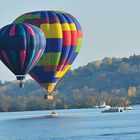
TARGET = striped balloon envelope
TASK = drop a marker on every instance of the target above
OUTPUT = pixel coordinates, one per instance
(21, 46)
(63, 42)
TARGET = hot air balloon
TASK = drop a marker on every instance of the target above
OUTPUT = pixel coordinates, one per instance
(21, 46)
(63, 42)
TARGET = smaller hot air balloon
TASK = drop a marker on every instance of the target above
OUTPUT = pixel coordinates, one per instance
(21, 46)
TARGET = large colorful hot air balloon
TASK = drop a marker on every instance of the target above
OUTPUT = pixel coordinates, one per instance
(63, 42)
(21, 46)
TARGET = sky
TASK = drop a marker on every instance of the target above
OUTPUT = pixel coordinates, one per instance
(111, 28)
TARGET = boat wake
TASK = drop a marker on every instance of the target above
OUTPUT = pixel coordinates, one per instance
(121, 133)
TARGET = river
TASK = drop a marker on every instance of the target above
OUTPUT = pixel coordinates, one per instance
(71, 124)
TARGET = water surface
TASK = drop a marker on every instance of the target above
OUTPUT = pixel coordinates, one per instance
(72, 124)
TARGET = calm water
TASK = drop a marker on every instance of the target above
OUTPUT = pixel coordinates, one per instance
(74, 124)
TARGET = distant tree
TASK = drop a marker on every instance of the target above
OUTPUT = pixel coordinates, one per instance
(5, 102)
(21, 103)
(107, 61)
(132, 91)
(113, 80)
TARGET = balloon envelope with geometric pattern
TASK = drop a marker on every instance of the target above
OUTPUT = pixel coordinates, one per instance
(63, 42)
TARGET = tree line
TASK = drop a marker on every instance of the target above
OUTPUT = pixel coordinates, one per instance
(113, 80)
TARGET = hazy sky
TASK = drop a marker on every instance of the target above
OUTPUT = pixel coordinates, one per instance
(111, 27)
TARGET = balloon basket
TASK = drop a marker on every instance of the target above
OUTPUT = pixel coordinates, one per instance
(48, 97)
(21, 84)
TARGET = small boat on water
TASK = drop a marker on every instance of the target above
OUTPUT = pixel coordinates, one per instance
(53, 114)
(96, 106)
(102, 105)
(127, 108)
(113, 109)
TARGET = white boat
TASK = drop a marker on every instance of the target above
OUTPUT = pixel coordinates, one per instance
(96, 106)
(113, 109)
(108, 106)
(54, 115)
(102, 105)
(127, 108)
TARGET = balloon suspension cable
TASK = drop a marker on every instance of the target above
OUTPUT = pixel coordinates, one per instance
(21, 84)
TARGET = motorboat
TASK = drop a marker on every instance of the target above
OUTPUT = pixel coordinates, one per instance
(127, 108)
(102, 105)
(113, 109)
(53, 114)
(96, 106)
(108, 106)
